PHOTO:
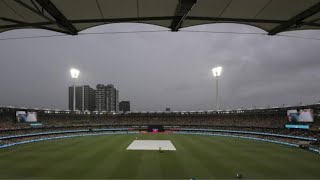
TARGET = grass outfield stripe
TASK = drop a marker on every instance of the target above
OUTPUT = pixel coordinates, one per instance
(251, 160)
(191, 164)
(116, 156)
(223, 144)
(60, 160)
(173, 162)
(171, 166)
(126, 162)
(186, 166)
(149, 160)
(207, 155)
(259, 163)
(28, 160)
(211, 157)
(98, 159)
(56, 156)
(58, 163)
(92, 157)
(196, 156)
(266, 161)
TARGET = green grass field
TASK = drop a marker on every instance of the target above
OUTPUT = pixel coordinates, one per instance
(196, 156)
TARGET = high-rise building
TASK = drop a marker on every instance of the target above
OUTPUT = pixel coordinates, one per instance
(85, 98)
(112, 98)
(117, 101)
(100, 98)
(89, 98)
(107, 98)
(124, 106)
(104, 98)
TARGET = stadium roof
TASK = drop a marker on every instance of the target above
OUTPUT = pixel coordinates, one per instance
(72, 16)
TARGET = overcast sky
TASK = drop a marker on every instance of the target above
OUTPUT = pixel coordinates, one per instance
(162, 69)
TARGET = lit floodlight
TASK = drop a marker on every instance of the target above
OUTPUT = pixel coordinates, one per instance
(74, 73)
(217, 71)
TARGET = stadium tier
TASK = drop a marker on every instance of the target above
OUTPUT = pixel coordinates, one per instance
(81, 141)
(18, 125)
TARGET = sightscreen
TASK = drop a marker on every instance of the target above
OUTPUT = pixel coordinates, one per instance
(155, 128)
(26, 116)
(300, 115)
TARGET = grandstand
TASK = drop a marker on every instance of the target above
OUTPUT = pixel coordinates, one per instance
(266, 123)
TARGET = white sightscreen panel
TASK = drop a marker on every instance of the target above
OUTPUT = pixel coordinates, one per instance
(244, 8)
(156, 8)
(208, 8)
(285, 9)
(26, 14)
(78, 9)
(119, 8)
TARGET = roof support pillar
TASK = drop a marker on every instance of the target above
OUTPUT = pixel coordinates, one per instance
(182, 10)
(296, 20)
(61, 20)
(35, 25)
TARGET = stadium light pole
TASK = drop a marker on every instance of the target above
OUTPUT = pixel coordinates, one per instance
(74, 74)
(216, 74)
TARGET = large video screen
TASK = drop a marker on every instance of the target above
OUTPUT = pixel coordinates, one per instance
(300, 115)
(26, 116)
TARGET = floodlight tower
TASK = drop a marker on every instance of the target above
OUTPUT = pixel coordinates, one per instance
(74, 74)
(216, 74)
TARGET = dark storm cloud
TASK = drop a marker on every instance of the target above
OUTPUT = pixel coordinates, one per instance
(163, 69)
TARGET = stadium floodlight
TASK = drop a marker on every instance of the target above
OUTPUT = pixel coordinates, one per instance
(217, 73)
(74, 74)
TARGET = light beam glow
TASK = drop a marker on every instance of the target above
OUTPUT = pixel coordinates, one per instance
(217, 71)
(74, 73)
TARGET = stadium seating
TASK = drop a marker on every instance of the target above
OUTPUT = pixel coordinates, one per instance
(260, 125)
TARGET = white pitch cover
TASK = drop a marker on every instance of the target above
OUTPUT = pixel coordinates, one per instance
(165, 145)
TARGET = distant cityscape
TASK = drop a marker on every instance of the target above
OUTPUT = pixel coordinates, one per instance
(105, 98)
